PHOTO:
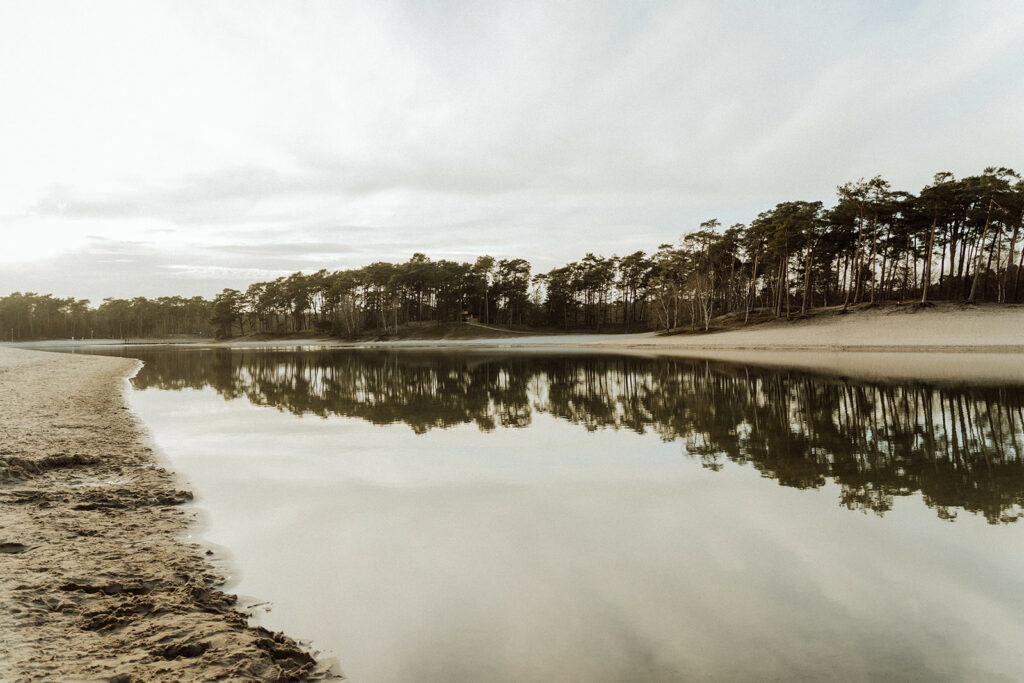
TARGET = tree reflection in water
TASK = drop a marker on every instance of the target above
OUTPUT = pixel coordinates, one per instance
(960, 447)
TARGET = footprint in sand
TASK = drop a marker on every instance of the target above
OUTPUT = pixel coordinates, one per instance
(12, 548)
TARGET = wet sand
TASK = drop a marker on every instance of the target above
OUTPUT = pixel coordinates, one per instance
(97, 581)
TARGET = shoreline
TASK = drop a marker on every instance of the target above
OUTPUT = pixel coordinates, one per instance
(946, 342)
(946, 326)
(97, 578)
(943, 327)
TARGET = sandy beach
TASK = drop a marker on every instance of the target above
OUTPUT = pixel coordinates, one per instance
(944, 343)
(97, 581)
(907, 327)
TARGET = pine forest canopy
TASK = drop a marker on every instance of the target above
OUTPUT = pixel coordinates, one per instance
(956, 239)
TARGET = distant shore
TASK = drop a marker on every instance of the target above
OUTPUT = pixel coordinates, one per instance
(907, 327)
(96, 579)
(947, 327)
(944, 342)
(948, 342)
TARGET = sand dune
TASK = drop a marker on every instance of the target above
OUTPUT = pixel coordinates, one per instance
(907, 327)
(945, 343)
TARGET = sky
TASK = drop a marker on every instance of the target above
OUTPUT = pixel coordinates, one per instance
(151, 148)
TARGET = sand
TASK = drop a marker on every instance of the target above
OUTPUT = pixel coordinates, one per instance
(978, 345)
(97, 581)
(944, 327)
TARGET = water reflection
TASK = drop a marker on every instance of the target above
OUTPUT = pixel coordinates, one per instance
(960, 447)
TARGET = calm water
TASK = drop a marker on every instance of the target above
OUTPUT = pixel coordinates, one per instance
(538, 517)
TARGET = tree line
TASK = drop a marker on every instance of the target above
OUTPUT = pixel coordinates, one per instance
(956, 239)
(43, 316)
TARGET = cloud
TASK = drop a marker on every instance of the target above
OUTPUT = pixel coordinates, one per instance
(362, 131)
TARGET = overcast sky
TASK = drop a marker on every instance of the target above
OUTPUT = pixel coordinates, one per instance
(178, 148)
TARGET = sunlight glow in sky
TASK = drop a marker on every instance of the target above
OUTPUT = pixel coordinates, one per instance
(182, 147)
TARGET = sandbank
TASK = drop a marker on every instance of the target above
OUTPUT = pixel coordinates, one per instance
(97, 581)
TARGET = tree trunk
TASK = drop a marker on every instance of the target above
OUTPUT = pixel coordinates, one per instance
(981, 248)
(807, 280)
(753, 284)
(942, 268)
(887, 267)
(842, 275)
(1016, 278)
(778, 291)
(1009, 260)
(855, 269)
(926, 276)
(871, 261)
(786, 283)
(960, 273)
(998, 250)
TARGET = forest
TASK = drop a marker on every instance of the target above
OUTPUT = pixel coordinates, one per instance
(956, 239)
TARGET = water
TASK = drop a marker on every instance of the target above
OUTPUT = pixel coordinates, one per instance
(469, 516)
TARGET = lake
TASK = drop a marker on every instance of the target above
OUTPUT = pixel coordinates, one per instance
(479, 515)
